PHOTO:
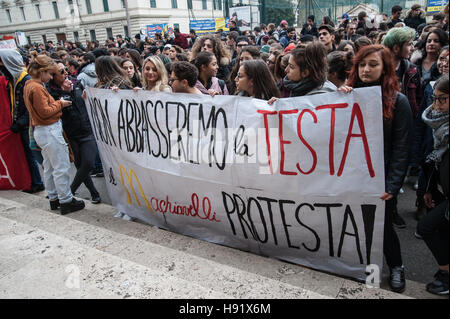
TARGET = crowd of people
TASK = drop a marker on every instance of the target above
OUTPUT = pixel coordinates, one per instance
(408, 58)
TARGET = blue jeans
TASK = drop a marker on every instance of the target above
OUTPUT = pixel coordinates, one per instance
(32, 165)
(56, 161)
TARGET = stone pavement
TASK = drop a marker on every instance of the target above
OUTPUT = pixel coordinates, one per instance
(91, 254)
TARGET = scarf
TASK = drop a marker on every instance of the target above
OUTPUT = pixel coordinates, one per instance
(299, 88)
(438, 121)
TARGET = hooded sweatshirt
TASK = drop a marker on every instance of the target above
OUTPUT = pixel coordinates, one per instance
(17, 76)
(87, 75)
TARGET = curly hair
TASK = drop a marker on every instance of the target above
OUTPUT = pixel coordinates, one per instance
(218, 48)
(388, 80)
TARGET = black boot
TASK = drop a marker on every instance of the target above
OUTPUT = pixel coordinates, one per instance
(54, 204)
(72, 206)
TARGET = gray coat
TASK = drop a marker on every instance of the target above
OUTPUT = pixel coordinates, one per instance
(87, 76)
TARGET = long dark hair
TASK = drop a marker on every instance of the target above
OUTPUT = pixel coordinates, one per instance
(109, 72)
(443, 40)
(136, 58)
(264, 86)
(136, 79)
(312, 57)
(388, 80)
(204, 58)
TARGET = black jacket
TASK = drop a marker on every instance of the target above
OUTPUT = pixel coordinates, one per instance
(438, 175)
(414, 22)
(312, 32)
(397, 141)
(75, 118)
(21, 118)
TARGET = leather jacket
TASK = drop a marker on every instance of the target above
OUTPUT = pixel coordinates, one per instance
(397, 142)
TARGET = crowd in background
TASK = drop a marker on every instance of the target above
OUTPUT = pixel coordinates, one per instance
(403, 54)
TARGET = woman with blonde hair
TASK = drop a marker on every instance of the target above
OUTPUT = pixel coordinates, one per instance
(154, 75)
(45, 114)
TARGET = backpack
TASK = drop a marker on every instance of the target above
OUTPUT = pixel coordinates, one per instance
(222, 85)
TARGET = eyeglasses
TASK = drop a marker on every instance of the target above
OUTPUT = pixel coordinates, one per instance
(171, 80)
(441, 99)
(62, 71)
(242, 45)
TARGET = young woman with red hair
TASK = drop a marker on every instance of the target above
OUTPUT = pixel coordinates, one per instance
(373, 65)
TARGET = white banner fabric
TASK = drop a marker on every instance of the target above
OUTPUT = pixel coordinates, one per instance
(298, 181)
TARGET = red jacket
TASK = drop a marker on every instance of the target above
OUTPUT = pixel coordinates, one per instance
(181, 40)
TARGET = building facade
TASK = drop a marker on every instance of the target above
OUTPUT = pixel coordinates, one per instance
(81, 20)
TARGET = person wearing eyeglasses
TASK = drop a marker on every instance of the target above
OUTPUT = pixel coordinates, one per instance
(271, 63)
(45, 114)
(423, 135)
(433, 227)
(77, 128)
(254, 80)
(183, 78)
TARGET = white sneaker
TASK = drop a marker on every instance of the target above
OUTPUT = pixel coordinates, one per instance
(119, 214)
(416, 185)
(401, 191)
(126, 217)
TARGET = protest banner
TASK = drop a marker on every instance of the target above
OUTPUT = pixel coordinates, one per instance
(434, 6)
(242, 16)
(8, 44)
(209, 25)
(298, 181)
(152, 29)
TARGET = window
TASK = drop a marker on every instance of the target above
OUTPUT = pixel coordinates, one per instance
(44, 38)
(76, 37)
(38, 11)
(109, 33)
(23, 13)
(72, 10)
(105, 6)
(123, 3)
(152, 3)
(8, 13)
(125, 30)
(189, 3)
(29, 40)
(92, 32)
(55, 9)
(176, 25)
(88, 6)
(174, 4)
(220, 4)
(204, 5)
